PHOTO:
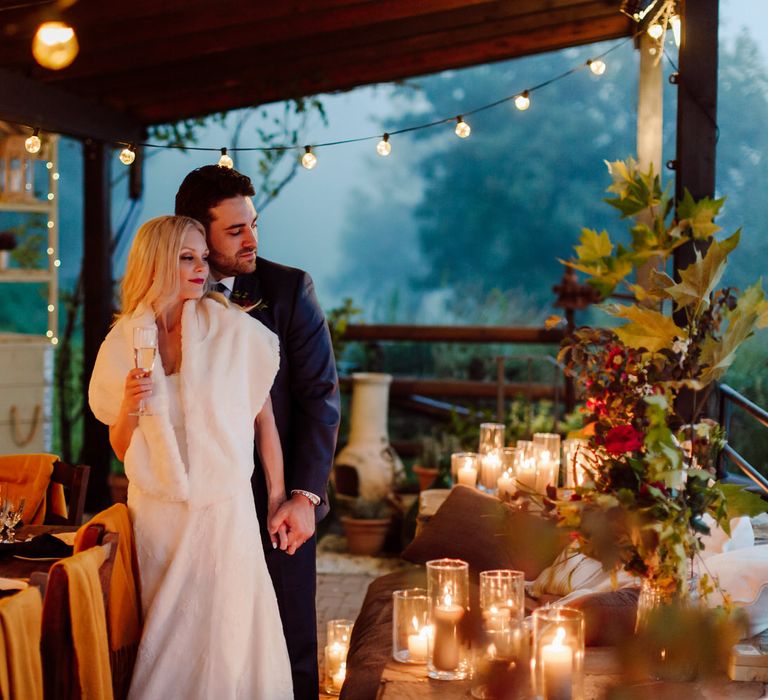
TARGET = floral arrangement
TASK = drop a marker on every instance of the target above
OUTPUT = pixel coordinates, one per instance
(650, 456)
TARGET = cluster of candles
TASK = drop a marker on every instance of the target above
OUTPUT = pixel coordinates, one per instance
(427, 630)
(530, 466)
(337, 646)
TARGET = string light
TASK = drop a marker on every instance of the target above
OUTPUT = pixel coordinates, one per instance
(384, 147)
(226, 161)
(54, 341)
(523, 101)
(462, 128)
(128, 155)
(309, 159)
(655, 31)
(55, 45)
(597, 66)
(33, 143)
(51, 307)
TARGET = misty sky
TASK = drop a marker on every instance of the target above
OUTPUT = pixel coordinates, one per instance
(303, 226)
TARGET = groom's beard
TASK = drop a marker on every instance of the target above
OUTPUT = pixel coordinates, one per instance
(231, 265)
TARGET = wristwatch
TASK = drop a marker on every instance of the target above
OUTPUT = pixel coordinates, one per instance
(311, 497)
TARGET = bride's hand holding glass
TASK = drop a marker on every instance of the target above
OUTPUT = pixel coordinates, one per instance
(144, 351)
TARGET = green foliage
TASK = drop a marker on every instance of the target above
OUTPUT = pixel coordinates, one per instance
(31, 239)
(338, 319)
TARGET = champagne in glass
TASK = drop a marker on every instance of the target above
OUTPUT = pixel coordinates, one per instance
(144, 351)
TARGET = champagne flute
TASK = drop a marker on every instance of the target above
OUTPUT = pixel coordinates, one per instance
(144, 352)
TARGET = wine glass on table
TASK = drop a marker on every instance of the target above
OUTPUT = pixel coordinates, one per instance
(144, 352)
(12, 510)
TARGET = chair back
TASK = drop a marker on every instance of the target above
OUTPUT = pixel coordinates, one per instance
(73, 480)
(74, 646)
(20, 665)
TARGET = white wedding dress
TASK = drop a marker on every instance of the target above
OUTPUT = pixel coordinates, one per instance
(211, 628)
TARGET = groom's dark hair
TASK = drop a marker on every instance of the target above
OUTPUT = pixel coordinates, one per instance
(206, 187)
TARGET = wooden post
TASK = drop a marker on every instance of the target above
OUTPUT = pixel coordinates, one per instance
(696, 109)
(97, 310)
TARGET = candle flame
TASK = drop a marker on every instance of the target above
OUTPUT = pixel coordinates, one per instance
(494, 610)
(559, 637)
(447, 599)
(415, 623)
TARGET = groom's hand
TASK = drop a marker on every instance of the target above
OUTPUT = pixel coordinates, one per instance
(298, 515)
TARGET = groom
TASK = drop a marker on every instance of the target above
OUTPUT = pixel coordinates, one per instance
(305, 395)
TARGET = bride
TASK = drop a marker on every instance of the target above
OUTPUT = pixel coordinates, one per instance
(211, 622)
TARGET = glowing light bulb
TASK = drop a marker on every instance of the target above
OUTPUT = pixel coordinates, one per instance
(50, 307)
(49, 165)
(674, 22)
(384, 147)
(462, 128)
(33, 143)
(523, 101)
(55, 45)
(127, 155)
(55, 176)
(309, 159)
(655, 31)
(50, 251)
(50, 224)
(51, 196)
(54, 341)
(597, 66)
(57, 263)
(49, 333)
(225, 161)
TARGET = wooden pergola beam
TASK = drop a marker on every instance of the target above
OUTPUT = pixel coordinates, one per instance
(53, 109)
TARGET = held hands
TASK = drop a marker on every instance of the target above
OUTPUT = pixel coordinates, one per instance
(138, 386)
(297, 518)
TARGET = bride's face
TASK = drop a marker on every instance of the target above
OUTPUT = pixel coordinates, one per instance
(193, 265)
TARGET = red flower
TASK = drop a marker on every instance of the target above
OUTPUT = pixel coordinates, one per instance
(623, 438)
(615, 357)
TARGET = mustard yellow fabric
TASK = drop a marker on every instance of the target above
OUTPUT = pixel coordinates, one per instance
(124, 615)
(89, 623)
(28, 476)
(21, 674)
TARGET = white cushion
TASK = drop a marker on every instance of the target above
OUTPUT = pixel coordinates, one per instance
(717, 541)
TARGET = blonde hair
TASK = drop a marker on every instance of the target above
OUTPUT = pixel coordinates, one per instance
(152, 271)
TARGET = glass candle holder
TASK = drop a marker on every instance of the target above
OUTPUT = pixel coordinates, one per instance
(575, 461)
(505, 484)
(525, 470)
(547, 451)
(490, 470)
(558, 654)
(448, 594)
(465, 467)
(337, 646)
(411, 631)
(502, 597)
(491, 437)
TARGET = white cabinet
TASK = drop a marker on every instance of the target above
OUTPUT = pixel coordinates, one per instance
(26, 394)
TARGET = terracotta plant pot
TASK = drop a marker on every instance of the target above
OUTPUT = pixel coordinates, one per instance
(365, 536)
(426, 476)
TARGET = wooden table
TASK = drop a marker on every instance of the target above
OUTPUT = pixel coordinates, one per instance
(409, 682)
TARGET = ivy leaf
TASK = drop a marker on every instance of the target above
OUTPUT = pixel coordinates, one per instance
(698, 280)
(594, 245)
(699, 215)
(647, 328)
(718, 355)
(739, 501)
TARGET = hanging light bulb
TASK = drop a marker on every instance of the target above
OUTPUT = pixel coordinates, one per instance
(226, 161)
(655, 31)
(384, 147)
(128, 155)
(33, 143)
(462, 128)
(674, 22)
(309, 159)
(597, 66)
(523, 101)
(55, 45)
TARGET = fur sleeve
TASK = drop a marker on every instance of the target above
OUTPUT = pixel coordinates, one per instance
(107, 386)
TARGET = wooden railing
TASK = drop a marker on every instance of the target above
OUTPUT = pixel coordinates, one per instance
(420, 394)
(728, 399)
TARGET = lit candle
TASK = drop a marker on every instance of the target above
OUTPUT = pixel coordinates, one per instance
(445, 651)
(505, 484)
(468, 475)
(557, 667)
(339, 676)
(418, 643)
(335, 655)
(491, 469)
(546, 473)
(526, 474)
(496, 618)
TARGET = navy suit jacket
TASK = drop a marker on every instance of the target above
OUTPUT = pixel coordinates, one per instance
(305, 394)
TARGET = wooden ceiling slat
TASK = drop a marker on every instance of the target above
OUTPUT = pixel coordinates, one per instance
(396, 66)
(327, 53)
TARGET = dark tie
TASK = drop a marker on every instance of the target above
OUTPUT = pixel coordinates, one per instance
(221, 288)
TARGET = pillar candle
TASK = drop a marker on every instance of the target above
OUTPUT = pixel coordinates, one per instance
(557, 667)
(468, 475)
(506, 484)
(445, 649)
(418, 645)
